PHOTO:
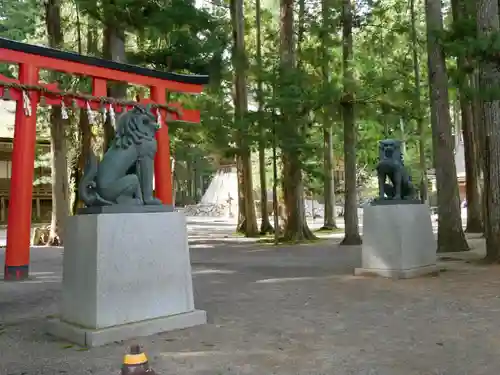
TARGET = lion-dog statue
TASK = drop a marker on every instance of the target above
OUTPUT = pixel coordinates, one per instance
(391, 165)
(125, 173)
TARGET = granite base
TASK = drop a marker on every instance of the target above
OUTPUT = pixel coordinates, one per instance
(398, 274)
(125, 269)
(98, 337)
(398, 241)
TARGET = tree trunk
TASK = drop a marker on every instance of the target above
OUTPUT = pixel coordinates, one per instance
(58, 147)
(265, 225)
(329, 188)
(352, 236)
(86, 145)
(461, 13)
(276, 216)
(296, 228)
(472, 170)
(479, 131)
(241, 226)
(60, 189)
(75, 172)
(92, 37)
(451, 236)
(328, 164)
(251, 228)
(114, 50)
(245, 186)
(84, 125)
(489, 81)
(418, 107)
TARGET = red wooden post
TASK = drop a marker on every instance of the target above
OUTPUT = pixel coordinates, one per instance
(17, 254)
(163, 177)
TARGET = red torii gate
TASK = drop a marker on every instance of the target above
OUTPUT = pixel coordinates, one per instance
(27, 89)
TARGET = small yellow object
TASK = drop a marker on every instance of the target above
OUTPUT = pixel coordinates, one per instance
(134, 359)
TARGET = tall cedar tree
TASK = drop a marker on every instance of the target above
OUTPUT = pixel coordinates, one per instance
(489, 81)
(451, 236)
(60, 188)
(247, 217)
(352, 236)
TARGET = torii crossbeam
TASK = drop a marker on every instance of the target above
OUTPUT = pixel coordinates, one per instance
(27, 90)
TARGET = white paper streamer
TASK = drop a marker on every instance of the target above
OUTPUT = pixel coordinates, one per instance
(90, 114)
(64, 113)
(26, 104)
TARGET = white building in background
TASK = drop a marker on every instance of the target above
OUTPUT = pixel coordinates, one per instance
(42, 193)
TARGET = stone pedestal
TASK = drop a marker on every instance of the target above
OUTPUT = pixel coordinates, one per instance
(398, 241)
(125, 275)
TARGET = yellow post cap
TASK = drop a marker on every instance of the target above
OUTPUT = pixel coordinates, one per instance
(136, 356)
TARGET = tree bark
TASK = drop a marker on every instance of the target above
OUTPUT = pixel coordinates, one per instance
(462, 13)
(489, 81)
(328, 163)
(480, 132)
(265, 225)
(75, 173)
(296, 228)
(245, 185)
(84, 127)
(113, 49)
(329, 188)
(352, 236)
(418, 107)
(276, 214)
(241, 226)
(472, 170)
(58, 146)
(451, 236)
(85, 147)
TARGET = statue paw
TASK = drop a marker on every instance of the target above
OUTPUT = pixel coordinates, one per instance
(153, 201)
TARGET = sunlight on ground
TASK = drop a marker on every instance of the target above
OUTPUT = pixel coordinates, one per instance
(264, 249)
(213, 272)
(306, 278)
(201, 246)
(205, 353)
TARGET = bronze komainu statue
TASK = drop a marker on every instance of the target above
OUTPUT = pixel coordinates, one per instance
(391, 165)
(125, 173)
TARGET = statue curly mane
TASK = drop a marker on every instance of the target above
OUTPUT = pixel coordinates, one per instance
(395, 147)
(135, 127)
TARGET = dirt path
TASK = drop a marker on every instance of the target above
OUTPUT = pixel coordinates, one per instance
(281, 311)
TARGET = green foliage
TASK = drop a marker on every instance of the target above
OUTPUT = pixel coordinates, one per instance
(180, 36)
(19, 19)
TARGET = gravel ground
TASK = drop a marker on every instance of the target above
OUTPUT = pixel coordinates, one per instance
(281, 310)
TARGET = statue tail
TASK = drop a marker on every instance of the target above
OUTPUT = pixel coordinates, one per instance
(87, 187)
